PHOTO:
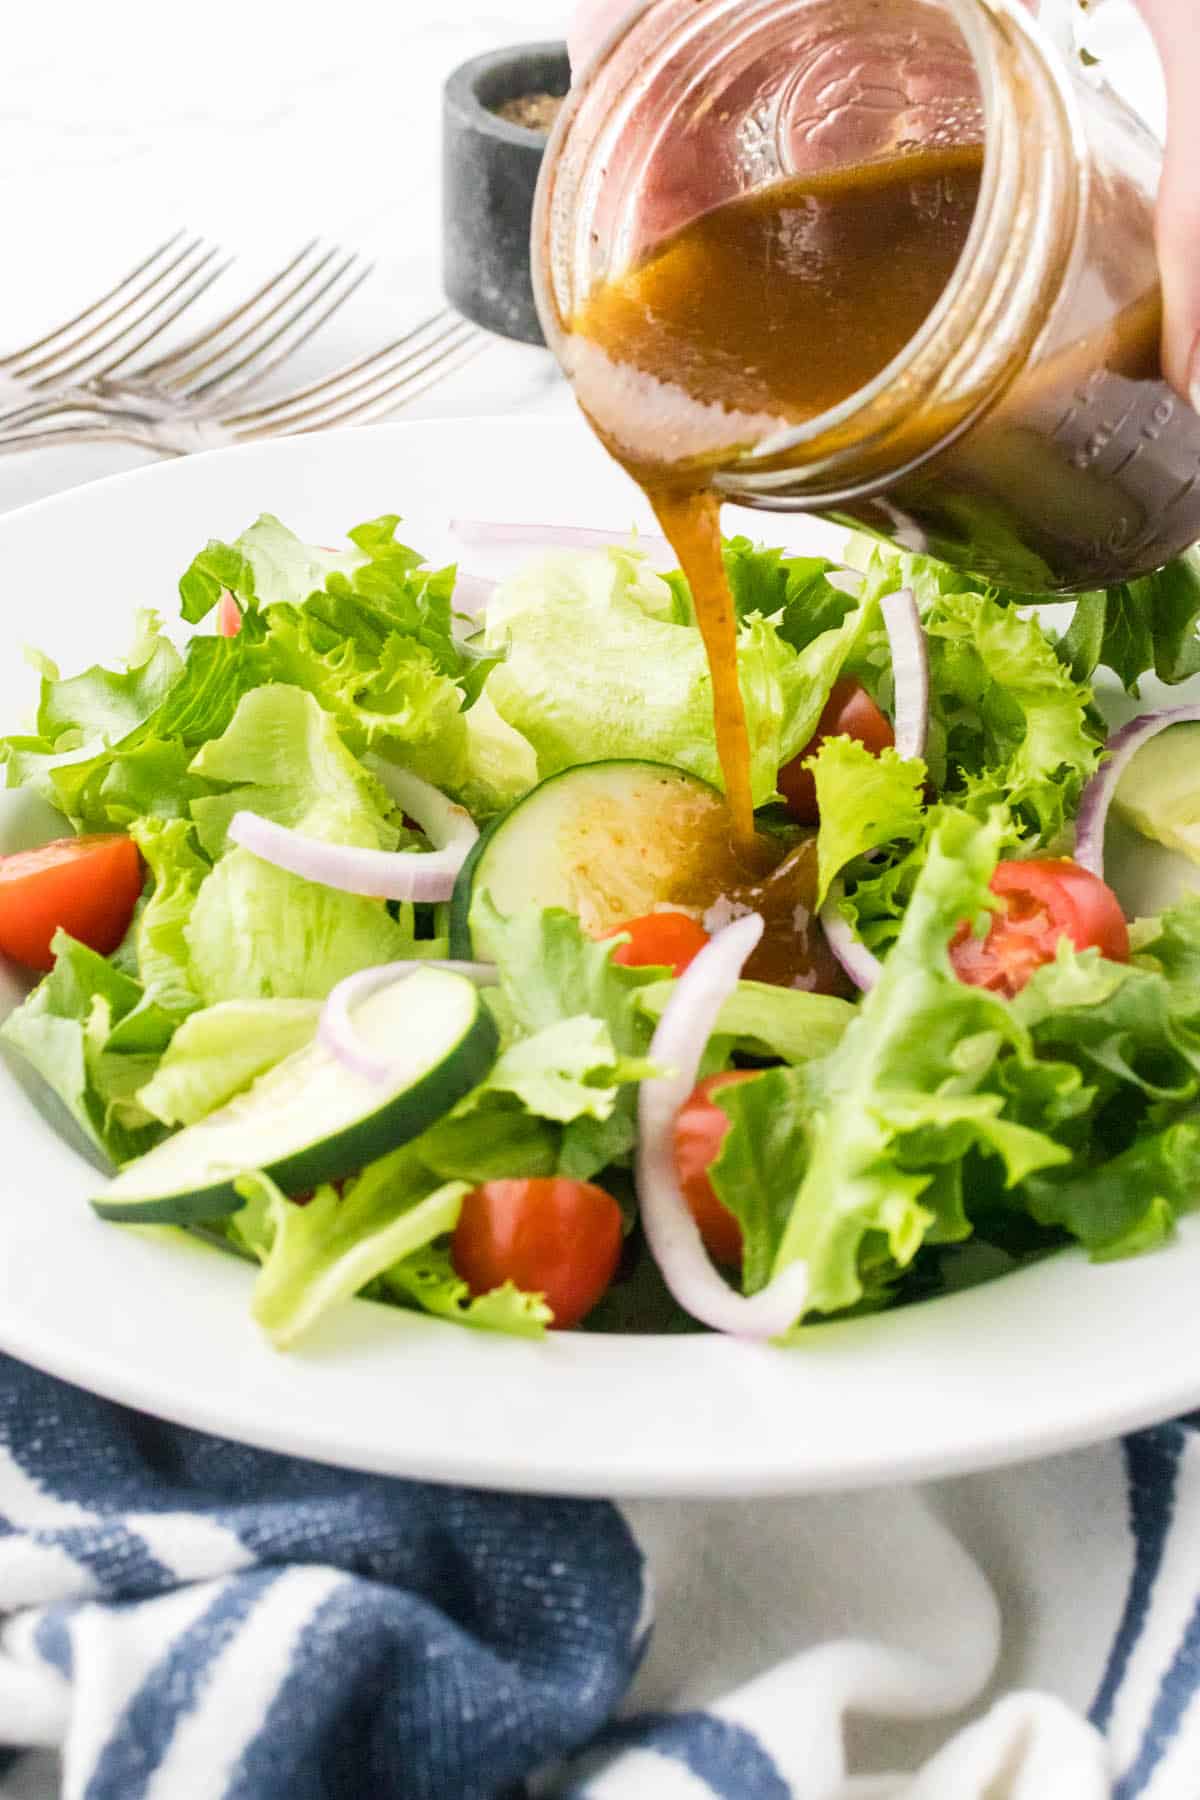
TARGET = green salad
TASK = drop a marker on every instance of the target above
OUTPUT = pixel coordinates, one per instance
(399, 945)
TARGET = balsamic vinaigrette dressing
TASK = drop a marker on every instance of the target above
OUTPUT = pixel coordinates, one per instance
(773, 307)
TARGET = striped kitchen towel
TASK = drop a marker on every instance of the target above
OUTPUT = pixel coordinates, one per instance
(186, 1618)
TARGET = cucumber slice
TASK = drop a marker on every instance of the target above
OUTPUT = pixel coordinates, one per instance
(1159, 793)
(608, 840)
(312, 1119)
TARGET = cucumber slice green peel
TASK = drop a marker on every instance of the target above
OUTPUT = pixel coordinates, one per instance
(609, 841)
(311, 1119)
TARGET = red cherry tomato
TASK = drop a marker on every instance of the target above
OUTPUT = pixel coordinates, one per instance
(849, 712)
(700, 1128)
(546, 1234)
(1045, 901)
(229, 616)
(669, 940)
(87, 885)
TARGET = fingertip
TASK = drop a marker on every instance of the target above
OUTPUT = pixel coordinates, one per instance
(591, 24)
(1179, 263)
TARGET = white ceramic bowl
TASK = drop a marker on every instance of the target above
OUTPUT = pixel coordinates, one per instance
(1053, 1356)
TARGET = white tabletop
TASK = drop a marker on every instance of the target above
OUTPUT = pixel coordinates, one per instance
(260, 124)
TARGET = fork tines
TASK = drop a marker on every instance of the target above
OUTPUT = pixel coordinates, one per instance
(319, 282)
(370, 387)
(84, 379)
(151, 296)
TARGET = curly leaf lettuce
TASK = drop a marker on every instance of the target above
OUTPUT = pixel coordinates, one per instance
(322, 1251)
(428, 1280)
(391, 1222)
(220, 1051)
(266, 564)
(70, 1030)
(600, 664)
(884, 1122)
(1010, 723)
(551, 971)
(865, 800)
(281, 756)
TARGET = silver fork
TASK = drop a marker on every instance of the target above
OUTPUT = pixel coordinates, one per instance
(368, 388)
(193, 381)
(93, 342)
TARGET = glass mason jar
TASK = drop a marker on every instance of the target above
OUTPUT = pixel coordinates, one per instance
(1025, 432)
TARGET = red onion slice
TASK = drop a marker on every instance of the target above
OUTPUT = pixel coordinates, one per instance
(863, 968)
(1120, 751)
(444, 822)
(335, 1028)
(910, 671)
(375, 874)
(483, 534)
(675, 1243)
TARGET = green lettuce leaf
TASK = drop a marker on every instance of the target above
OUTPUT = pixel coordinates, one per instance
(109, 703)
(886, 1120)
(600, 665)
(1136, 628)
(491, 1136)
(281, 756)
(1170, 945)
(543, 1109)
(762, 1165)
(147, 770)
(1010, 723)
(1017, 727)
(1131, 1031)
(551, 971)
(258, 933)
(159, 942)
(323, 1251)
(792, 589)
(1139, 628)
(764, 1021)
(69, 1030)
(222, 1050)
(865, 801)
(428, 1279)
(567, 1070)
(1132, 1204)
(268, 563)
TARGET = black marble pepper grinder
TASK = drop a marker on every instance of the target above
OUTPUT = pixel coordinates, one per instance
(489, 172)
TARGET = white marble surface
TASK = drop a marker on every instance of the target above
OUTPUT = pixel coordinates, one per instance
(260, 124)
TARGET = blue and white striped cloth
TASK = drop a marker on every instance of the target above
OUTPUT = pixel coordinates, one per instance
(186, 1618)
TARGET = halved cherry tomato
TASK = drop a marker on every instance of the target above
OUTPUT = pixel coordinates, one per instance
(87, 885)
(1045, 900)
(229, 616)
(700, 1128)
(849, 712)
(546, 1234)
(669, 940)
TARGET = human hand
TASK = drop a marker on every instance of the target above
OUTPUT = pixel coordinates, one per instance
(1176, 28)
(590, 25)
